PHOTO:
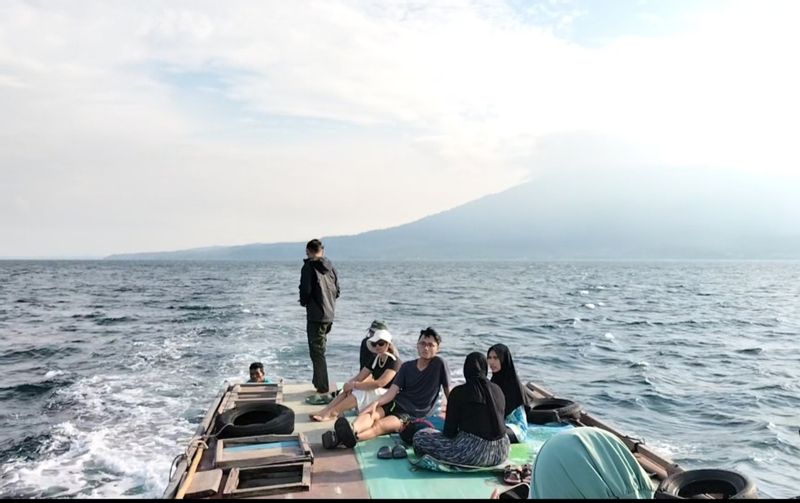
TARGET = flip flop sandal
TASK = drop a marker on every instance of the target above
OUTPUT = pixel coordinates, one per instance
(518, 492)
(318, 399)
(512, 476)
(399, 452)
(329, 440)
(526, 473)
(344, 432)
(385, 452)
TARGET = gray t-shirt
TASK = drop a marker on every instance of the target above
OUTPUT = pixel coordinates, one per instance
(420, 389)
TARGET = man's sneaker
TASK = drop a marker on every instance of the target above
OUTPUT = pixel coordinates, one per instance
(329, 440)
(345, 433)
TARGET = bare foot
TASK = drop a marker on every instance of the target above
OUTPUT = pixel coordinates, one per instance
(321, 419)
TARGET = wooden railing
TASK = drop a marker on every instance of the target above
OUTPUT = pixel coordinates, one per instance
(660, 467)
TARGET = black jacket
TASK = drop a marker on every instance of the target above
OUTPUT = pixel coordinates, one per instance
(319, 289)
(467, 411)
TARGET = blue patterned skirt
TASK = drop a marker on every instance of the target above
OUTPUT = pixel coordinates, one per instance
(464, 449)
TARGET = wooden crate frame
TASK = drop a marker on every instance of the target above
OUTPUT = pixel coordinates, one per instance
(269, 397)
(231, 489)
(253, 459)
(252, 393)
(258, 387)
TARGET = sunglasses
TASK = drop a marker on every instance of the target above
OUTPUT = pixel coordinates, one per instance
(379, 343)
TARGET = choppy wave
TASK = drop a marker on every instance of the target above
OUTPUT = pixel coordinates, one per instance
(30, 391)
(16, 355)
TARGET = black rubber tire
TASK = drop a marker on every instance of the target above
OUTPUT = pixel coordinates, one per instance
(255, 419)
(728, 483)
(552, 410)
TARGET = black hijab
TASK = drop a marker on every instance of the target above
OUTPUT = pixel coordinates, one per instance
(475, 372)
(507, 379)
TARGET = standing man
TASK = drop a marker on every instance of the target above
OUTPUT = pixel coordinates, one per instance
(319, 289)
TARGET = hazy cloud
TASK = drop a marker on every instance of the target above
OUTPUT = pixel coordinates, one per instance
(159, 125)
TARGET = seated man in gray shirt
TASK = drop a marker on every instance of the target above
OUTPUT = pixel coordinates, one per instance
(413, 394)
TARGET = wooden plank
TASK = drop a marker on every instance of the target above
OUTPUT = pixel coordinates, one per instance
(307, 475)
(232, 482)
(274, 397)
(305, 446)
(257, 388)
(205, 484)
(223, 406)
(245, 388)
(255, 439)
(254, 398)
(207, 461)
(260, 394)
(258, 457)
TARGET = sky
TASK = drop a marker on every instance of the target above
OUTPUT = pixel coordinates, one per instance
(145, 125)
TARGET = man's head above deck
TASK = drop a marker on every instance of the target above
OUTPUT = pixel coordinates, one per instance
(256, 372)
(315, 249)
(428, 343)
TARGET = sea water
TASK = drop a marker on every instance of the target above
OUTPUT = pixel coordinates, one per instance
(107, 367)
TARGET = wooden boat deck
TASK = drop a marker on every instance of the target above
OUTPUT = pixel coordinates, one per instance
(336, 473)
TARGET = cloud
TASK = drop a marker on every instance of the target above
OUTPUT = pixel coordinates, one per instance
(150, 125)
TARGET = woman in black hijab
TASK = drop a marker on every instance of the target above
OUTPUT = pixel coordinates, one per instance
(474, 428)
(505, 375)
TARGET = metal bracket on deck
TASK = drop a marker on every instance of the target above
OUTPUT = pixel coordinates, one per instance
(636, 443)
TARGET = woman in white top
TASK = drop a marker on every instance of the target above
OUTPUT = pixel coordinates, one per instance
(370, 383)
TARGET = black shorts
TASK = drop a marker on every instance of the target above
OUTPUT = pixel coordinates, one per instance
(393, 409)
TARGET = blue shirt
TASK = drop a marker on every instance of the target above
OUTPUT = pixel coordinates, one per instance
(419, 389)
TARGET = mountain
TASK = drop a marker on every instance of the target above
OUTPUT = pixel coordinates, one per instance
(574, 214)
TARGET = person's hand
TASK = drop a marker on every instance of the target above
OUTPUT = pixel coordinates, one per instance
(349, 386)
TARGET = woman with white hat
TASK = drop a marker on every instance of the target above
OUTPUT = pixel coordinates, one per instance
(371, 382)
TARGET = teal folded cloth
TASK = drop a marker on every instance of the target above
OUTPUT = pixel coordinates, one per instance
(588, 462)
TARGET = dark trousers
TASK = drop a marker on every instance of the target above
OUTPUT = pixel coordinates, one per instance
(317, 336)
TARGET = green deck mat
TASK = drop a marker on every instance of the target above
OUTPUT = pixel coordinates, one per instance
(397, 478)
